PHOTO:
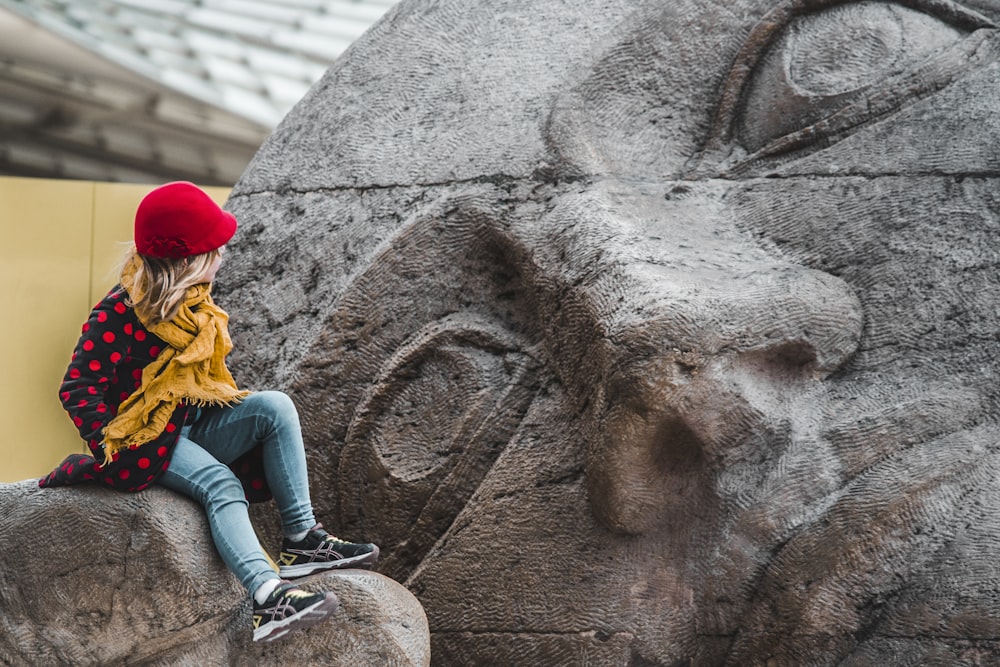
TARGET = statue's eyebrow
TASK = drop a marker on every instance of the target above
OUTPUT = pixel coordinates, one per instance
(770, 26)
(956, 12)
(992, 5)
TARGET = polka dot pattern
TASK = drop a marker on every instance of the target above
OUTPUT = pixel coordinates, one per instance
(106, 368)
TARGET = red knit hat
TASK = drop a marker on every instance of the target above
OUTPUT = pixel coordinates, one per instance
(179, 219)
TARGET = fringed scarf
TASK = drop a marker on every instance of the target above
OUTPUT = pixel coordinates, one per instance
(190, 368)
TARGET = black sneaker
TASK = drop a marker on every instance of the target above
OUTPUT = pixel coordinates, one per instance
(319, 550)
(288, 609)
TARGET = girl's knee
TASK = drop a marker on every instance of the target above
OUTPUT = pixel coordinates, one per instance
(271, 402)
(275, 406)
(226, 490)
(212, 485)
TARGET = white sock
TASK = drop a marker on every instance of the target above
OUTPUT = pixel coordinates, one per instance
(264, 590)
(297, 537)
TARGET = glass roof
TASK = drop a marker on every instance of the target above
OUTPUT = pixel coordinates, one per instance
(153, 90)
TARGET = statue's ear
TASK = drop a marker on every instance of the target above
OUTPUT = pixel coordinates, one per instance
(421, 376)
(428, 431)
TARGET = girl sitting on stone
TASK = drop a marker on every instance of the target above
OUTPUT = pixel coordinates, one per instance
(150, 393)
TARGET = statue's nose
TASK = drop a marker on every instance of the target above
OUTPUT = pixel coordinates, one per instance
(684, 341)
(704, 380)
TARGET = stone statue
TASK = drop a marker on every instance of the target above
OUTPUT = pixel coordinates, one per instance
(649, 333)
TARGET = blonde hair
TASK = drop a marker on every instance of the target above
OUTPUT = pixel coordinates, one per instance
(161, 282)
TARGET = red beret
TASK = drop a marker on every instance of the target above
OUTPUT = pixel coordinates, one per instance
(179, 219)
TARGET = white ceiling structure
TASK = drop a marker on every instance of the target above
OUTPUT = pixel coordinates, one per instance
(152, 90)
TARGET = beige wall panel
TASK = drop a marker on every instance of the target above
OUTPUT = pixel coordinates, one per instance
(114, 212)
(45, 243)
(60, 244)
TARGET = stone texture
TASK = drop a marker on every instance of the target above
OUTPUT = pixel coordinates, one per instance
(647, 334)
(93, 577)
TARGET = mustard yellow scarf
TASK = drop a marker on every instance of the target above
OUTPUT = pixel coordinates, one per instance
(190, 368)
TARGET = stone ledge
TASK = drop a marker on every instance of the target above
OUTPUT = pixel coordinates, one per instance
(94, 577)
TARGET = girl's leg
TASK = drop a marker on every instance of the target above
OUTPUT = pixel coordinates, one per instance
(268, 418)
(197, 474)
(278, 607)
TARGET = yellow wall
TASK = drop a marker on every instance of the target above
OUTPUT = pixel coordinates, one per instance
(60, 243)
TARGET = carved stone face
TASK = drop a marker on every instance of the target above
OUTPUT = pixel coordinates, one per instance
(641, 332)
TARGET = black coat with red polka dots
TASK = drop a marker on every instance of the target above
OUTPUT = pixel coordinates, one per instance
(106, 368)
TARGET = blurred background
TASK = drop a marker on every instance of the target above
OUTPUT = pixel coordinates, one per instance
(101, 100)
(149, 90)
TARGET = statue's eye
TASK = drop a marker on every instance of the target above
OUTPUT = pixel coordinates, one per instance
(804, 80)
(822, 62)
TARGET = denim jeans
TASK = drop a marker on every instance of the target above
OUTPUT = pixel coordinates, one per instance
(198, 470)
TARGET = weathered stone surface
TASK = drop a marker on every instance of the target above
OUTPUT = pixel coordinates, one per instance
(645, 333)
(94, 577)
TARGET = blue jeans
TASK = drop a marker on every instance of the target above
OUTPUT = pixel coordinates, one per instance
(198, 470)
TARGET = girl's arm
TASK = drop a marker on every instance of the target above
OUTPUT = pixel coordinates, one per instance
(105, 341)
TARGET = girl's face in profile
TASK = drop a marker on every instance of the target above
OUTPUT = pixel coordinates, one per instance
(213, 268)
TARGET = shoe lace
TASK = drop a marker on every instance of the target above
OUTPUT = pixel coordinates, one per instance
(296, 593)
